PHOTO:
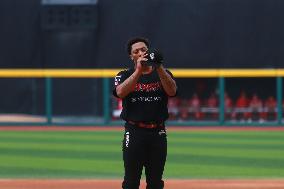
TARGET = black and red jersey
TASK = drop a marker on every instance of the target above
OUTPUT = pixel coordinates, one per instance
(148, 102)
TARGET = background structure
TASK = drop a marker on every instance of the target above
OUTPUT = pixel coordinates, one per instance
(91, 34)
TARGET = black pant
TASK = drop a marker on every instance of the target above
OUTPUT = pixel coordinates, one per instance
(144, 147)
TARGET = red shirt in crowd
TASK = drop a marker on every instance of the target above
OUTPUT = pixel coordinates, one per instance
(242, 101)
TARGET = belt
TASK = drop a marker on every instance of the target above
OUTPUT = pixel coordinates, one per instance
(146, 125)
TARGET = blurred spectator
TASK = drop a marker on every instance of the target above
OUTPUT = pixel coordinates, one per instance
(212, 101)
(184, 109)
(228, 106)
(241, 110)
(173, 105)
(256, 109)
(117, 108)
(270, 108)
(194, 107)
(212, 107)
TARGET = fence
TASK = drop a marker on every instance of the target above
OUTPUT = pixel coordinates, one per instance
(107, 113)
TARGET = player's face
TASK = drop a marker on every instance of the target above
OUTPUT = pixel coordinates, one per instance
(138, 50)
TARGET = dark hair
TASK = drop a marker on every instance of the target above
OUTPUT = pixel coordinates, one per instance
(136, 40)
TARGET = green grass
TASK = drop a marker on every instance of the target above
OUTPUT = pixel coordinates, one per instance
(97, 154)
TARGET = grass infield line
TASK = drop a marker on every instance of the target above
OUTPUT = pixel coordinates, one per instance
(110, 128)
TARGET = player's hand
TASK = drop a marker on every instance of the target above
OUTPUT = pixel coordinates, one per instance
(141, 62)
(155, 58)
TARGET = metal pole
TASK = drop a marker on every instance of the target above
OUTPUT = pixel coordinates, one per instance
(221, 100)
(279, 99)
(48, 100)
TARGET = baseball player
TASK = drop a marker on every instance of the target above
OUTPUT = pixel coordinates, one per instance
(144, 90)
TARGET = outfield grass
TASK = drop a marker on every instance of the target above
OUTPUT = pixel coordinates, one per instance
(97, 154)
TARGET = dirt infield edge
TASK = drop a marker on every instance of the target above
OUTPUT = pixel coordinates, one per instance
(115, 184)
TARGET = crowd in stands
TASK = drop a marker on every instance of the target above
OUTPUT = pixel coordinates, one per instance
(244, 108)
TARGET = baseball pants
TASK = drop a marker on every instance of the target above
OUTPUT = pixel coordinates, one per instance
(144, 147)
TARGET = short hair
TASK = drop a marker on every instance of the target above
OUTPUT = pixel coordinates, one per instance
(136, 40)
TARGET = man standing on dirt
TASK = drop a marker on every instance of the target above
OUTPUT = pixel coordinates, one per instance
(144, 90)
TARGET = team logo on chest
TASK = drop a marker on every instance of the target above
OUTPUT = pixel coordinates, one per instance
(149, 87)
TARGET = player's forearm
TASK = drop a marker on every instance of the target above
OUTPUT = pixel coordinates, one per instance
(128, 85)
(167, 81)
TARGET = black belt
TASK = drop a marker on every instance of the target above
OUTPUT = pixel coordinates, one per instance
(146, 125)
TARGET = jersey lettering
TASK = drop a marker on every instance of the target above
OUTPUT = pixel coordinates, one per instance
(146, 99)
(148, 87)
(127, 139)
